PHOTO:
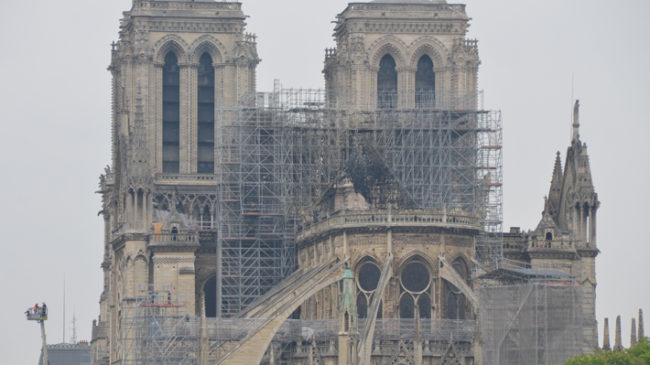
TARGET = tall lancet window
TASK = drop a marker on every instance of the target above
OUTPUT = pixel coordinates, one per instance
(425, 83)
(171, 114)
(387, 83)
(205, 130)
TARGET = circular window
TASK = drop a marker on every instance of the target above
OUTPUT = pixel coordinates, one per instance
(368, 276)
(415, 277)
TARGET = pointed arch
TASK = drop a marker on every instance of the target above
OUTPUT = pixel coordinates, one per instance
(387, 83)
(171, 113)
(425, 83)
(210, 45)
(431, 47)
(205, 114)
(388, 45)
(455, 303)
(170, 43)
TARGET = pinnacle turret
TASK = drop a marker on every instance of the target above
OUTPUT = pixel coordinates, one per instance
(641, 334)
(618, 344)
(552, 205)
(576, 122)
(606, 345)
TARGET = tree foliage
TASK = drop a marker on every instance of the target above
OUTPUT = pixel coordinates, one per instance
(638, 354)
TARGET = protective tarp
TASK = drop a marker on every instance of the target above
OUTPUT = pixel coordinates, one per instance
(533, 323)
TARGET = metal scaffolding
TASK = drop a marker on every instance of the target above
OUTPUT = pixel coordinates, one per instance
(278, 153)
(156, 330)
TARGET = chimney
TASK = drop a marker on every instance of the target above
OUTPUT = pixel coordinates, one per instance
(633, 333)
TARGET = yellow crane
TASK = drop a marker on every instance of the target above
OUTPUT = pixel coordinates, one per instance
(39, 314)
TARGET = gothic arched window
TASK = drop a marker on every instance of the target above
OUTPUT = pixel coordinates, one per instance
(210, 295)
(455, 302)
(425, 83)
(368, 275)
(205, 113)
(387, 83)
(416, 285)
(171, 114)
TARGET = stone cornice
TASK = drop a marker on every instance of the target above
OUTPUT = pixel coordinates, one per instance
(119, 241)
(173, 246)
(177, 260)
(156, 24)
(552, 254)
(588, 252)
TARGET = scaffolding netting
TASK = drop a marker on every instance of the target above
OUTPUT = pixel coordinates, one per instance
(532, 323)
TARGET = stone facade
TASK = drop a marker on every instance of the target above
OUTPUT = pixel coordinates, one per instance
(153, 216)
(177, 64)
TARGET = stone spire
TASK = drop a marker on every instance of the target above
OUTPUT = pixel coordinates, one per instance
(641, 334)
(633, 333)
(606, 346)
(552, 205)
(618, 346)
(576, 121)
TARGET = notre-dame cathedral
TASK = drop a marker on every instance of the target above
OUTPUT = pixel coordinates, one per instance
(360, 224)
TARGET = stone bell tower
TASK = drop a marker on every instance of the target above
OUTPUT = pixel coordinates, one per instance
(402, 54)
(175, 64)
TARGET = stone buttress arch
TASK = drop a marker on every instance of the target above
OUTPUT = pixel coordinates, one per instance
(251, 349)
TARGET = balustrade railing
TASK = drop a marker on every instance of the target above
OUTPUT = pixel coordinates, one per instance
(347, 219)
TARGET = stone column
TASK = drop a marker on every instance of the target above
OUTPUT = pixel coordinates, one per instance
(618, 346)
(582, 219)
(406, 87)
(606, 345)
(129, 209)
(641, 334)
(185, 130)
(157, 118)
(592, 227)
(193, 117)
(363, 97)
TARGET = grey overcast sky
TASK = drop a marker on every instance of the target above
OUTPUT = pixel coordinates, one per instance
(55, 141)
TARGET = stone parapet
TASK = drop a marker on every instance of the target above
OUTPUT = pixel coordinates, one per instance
(384, 219)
